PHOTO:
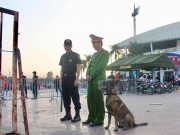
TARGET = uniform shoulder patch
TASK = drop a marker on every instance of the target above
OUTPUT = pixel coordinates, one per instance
(77, 55)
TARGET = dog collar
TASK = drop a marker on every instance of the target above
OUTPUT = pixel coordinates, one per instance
(110, 94)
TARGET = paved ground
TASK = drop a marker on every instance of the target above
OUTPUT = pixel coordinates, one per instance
(43, 116)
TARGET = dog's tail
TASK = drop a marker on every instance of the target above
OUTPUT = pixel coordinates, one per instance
(140, 124)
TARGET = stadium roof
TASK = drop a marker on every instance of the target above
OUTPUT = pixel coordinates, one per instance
(164, 33)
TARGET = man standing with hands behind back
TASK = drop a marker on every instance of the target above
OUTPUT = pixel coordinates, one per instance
(96, 71)
(70, 70)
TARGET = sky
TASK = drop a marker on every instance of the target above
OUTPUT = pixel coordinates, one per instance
(45, 24)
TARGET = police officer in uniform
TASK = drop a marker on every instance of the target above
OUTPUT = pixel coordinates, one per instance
(70, 70)
(96, 71)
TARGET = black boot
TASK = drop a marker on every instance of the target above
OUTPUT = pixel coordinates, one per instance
(87, 122)
(67, 117)
(76, 117)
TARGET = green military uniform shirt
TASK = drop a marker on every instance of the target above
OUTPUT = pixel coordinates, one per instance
(97, 66)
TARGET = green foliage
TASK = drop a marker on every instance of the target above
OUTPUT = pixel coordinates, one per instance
(135, 49)
(86, 62)
(88, 58)
(116, 51)
(84, 65)
(50, 75)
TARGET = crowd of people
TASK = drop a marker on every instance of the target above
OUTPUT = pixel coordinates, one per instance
(124, 83)
(128, 83)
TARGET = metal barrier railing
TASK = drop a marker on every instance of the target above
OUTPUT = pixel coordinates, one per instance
(46, 88)
(50, 88)
(128, 85)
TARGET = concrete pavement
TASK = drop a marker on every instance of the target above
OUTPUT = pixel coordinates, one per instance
(43, 116)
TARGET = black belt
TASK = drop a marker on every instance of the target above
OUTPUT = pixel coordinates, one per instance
(68, 74)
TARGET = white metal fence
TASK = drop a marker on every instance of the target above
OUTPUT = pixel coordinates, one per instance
(46, 88)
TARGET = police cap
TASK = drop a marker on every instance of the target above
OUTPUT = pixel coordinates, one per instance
(67, 42)
(95, 38)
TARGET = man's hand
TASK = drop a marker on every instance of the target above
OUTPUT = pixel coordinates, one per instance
(76, 83)
(88, 78)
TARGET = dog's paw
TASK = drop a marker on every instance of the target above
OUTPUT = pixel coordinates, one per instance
(115, 130)
(107, 127)
(120, 126)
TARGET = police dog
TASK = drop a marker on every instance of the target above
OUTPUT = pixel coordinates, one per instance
(116, 107)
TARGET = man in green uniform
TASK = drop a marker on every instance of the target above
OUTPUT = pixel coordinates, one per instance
(96, 71)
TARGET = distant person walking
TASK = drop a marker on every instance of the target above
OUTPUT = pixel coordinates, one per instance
(35, 84)
(24, 84)
(120, 83)
(172, 79)
(57, 85)
(111, 76)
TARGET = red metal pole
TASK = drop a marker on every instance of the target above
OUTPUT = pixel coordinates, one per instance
(22, 92)
(1, 39)
(0, 66)
(15, 45)
(16, 55)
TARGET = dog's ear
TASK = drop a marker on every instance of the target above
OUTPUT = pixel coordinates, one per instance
(108, 86)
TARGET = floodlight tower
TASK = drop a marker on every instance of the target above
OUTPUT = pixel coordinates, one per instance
(135, 12)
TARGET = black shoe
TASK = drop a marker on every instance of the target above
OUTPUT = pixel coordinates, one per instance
(66, 117)
(86, 122)
(94, 124)
(76, 118)
(120, 92)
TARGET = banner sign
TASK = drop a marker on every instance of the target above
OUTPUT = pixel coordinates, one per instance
(125, 67)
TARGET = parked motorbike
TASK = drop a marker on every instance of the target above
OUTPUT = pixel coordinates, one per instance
(144, 88)
(168, 87)
(158, 87)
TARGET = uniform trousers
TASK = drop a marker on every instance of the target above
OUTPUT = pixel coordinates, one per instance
(70, 91)
(35, 93)
(95, 100)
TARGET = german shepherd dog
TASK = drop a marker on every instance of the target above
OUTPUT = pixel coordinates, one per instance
(116, 107)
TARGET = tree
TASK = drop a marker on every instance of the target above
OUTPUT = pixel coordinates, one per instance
(50, 75)
(88, 59)
(85, 63)
(135, 49)
(116, 51)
